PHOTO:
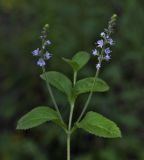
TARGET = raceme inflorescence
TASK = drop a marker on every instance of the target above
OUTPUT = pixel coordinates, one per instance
(43, 53)
(91, 122)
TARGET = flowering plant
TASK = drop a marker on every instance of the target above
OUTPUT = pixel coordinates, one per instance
(91, 122)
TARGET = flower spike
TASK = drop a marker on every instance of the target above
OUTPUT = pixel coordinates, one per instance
(43, 52)
(102, 50)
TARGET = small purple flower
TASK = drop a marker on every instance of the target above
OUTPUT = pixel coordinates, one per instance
(98, 66)
(100, 43)
(107, 58)
(110, 41)
(107, 51)
(47, 55)
(35, 52)
(41, 62)
(95, 52)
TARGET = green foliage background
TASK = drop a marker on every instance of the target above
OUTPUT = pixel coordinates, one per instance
(74, 25)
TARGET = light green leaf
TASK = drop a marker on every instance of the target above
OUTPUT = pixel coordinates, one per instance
(36, 117)
(90, 84)
(99, 125)
(58, 80)
(81, 58)
(78, 61)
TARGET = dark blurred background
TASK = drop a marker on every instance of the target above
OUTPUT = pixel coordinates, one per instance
(74, 25)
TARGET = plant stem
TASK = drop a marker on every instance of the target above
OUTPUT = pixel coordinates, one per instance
(74, 78)
(88, 99)
(52, 96)
(68, 146)
(69, 131)
(70, 117)
(70, 122)
(91, 92)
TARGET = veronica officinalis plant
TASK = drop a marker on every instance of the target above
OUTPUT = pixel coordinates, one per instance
(91, 122)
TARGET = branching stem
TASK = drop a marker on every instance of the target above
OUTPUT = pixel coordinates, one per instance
(70, 122)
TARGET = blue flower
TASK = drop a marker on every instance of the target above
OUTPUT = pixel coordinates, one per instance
(100, 43)
(95, 52)
(110, 41)
(98, 66)
(41, 62)
(103, 45)
(47, 55)
(35, 52)
(107, 51)
(107, 58)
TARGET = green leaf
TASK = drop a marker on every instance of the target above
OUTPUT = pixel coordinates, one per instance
(81, 58)
(78, 61)
(36, 117)
(72, 63)
(90, 84)
(99, 125)
(58, 80)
